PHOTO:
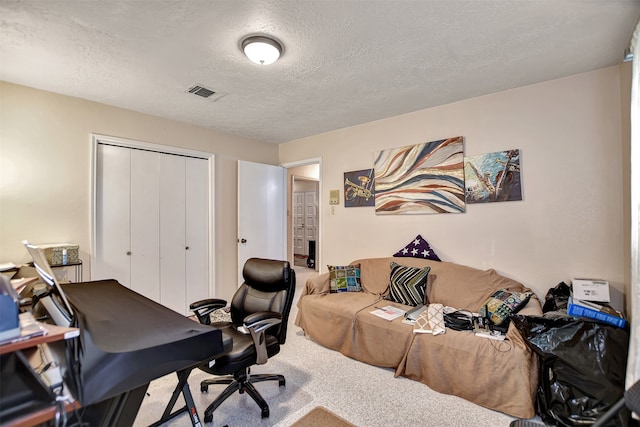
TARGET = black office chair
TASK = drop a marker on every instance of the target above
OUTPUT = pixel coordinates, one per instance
(259, 313)
(630, 400)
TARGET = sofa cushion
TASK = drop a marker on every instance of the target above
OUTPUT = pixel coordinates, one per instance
(418, 248)
(407, 284)
(344, 278)
(502, 303)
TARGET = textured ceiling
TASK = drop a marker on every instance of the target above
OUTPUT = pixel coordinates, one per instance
(345, 62)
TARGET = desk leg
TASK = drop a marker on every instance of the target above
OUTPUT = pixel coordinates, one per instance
(190, 407)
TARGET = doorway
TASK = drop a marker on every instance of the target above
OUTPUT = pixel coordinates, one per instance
(303, 214)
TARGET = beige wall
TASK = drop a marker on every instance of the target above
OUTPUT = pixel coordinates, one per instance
(571, 221)
(45, 170)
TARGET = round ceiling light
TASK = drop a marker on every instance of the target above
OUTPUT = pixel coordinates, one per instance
(261, 49)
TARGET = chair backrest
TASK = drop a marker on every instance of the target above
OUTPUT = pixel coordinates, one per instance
(268, 285)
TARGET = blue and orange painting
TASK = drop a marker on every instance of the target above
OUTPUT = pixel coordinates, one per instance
(493, 177)
(420, 179)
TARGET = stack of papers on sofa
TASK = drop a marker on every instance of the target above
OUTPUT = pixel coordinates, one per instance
(389, 312)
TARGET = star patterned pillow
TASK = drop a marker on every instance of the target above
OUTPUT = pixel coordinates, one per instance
(418, 248)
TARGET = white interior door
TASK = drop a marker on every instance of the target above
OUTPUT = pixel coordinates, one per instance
(299, 246)
(310, 218)
(261, 212)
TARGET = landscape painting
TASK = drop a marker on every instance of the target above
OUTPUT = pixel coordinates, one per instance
(358, 188)
(420, 179)
(493, 177)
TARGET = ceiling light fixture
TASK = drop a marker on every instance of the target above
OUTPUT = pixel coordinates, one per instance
(262, 50)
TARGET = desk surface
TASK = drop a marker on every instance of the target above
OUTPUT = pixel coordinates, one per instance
(128, 340)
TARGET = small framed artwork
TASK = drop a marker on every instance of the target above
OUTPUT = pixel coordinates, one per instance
(358, 188)
(493, 177)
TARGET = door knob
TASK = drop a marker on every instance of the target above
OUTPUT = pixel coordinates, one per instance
(128, 252)
(243, 240)
(186, 248)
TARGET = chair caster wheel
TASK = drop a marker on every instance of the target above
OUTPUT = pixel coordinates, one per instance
(208, 418)
(265, 413)
(281, 382)
(204, 388)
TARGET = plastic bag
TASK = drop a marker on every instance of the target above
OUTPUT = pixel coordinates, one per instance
(582, 368)
(557, 298)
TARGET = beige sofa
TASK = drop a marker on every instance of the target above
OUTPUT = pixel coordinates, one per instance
(499, 375)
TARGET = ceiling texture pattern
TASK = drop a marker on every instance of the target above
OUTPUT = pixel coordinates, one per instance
(345, 62)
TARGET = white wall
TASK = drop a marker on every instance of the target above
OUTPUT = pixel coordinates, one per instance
(45, 170)
(570, 223)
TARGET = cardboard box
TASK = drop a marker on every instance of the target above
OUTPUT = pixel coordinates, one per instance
(54, 253)
(591, 290)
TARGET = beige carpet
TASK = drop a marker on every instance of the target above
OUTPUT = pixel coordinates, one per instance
(322, 417)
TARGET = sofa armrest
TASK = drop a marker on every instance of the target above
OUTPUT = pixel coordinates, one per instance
(317, 285)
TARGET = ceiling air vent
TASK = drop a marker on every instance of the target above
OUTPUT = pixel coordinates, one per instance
(205, 92)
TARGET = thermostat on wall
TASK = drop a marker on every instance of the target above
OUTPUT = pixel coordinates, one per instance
(334, 197)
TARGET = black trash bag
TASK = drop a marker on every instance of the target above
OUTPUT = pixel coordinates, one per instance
(557, 298)
(582, 368)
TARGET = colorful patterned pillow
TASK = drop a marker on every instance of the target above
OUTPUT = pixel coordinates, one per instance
(407, 285)
(502, 303)
(344, 278)
(418, 248)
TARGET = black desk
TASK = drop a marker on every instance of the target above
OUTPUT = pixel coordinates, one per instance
(126, 341)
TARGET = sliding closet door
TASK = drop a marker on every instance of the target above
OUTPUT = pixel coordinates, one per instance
(145, 222)
(172, 232)
(112, 226)
(152, 228)
(197, 229)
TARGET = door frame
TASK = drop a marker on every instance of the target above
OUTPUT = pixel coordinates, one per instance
(140, 145)
(289, 190)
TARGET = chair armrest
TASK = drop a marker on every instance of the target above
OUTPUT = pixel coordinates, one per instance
(257, 324)
(204, 307)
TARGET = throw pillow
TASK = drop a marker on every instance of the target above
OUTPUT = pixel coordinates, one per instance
(418, 248)
(430, 279)
(502, 303)
(407, 285)
(344, 278)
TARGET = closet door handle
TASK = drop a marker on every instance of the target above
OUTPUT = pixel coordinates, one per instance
(128, 252)
(186, 248)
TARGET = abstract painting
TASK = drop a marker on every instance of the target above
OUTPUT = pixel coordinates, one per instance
(420, 179)
(358, 188)
(493, 177)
